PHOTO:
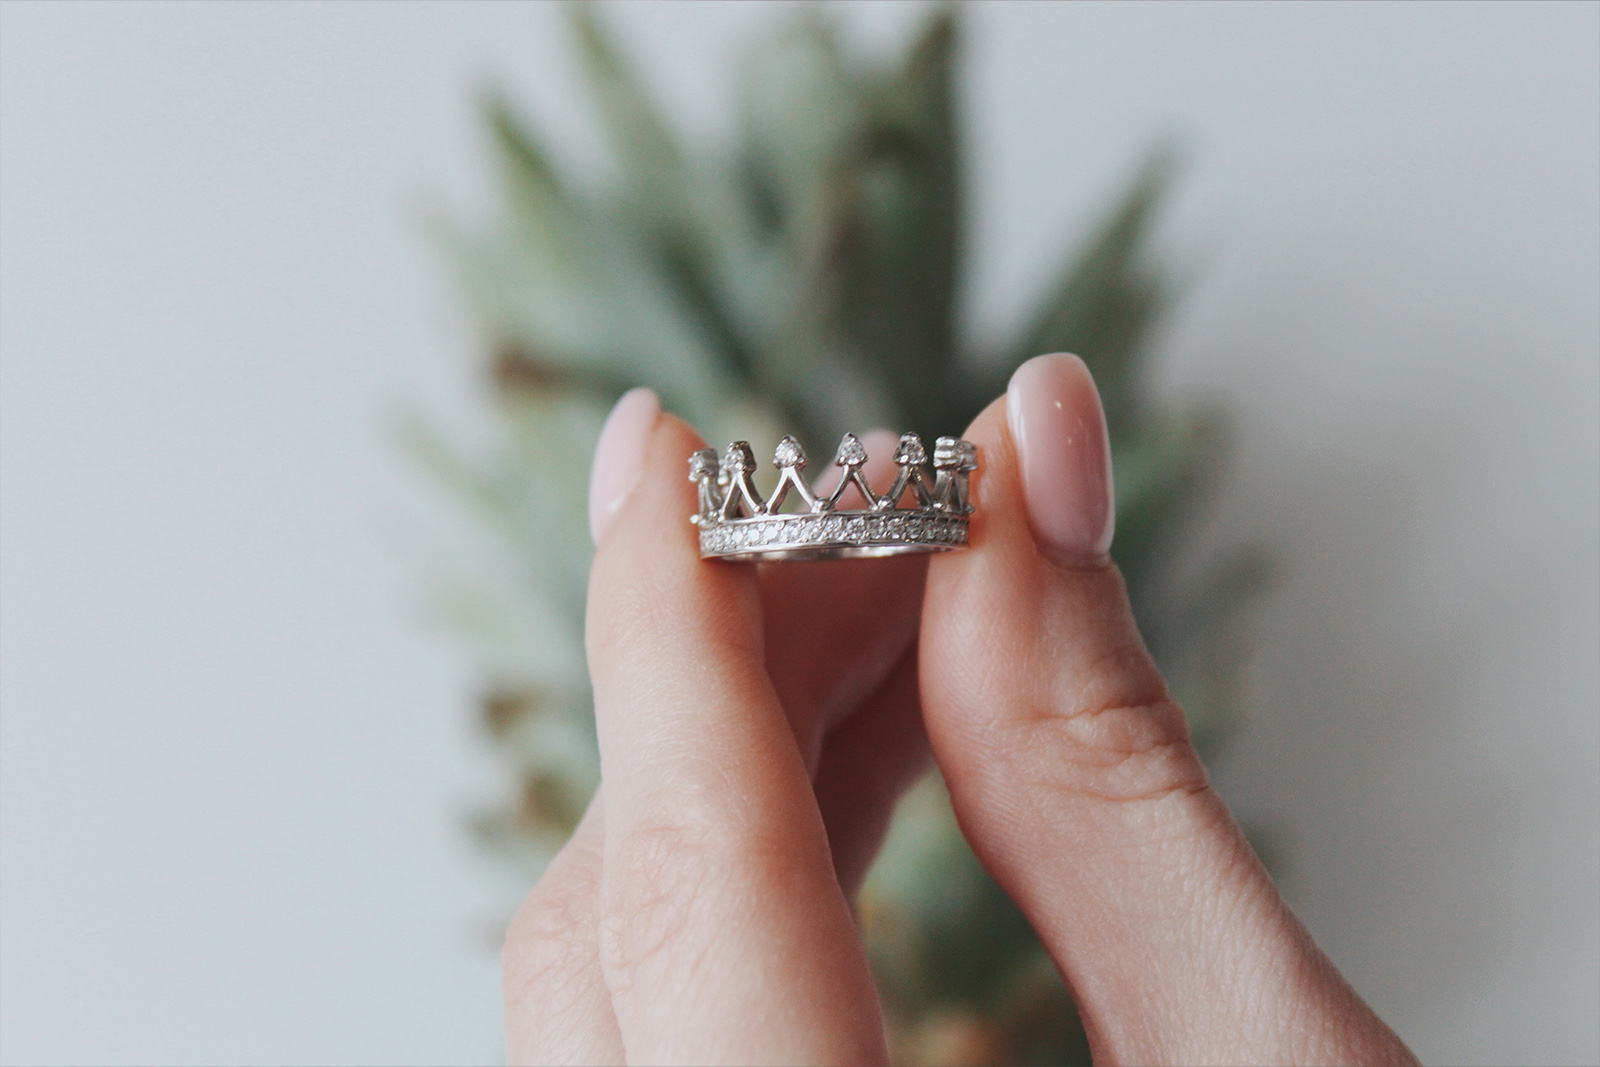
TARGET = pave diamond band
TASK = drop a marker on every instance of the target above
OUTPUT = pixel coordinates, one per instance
(737, 523)
(842, 534)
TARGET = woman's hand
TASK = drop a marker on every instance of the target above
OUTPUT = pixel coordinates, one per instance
(757, 724)
(697, 914)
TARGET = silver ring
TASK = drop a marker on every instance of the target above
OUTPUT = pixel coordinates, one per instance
(737, 523)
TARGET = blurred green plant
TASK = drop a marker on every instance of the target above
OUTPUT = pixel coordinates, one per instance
(807, 279)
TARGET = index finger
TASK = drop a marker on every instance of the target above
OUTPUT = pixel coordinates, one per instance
(724, 935)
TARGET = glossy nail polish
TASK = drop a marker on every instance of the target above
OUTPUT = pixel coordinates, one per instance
(619, 456)
(1064, 457)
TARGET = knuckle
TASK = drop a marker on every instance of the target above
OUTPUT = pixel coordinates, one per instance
(1125, 753)
(650, 901)
(549, 942)
(679, 866)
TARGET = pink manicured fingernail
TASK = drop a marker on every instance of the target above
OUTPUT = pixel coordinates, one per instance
(619, 456)
(1064, 454)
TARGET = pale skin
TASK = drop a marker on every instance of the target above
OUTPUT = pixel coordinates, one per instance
(757, 725)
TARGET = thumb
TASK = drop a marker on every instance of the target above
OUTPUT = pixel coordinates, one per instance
(1073, 777)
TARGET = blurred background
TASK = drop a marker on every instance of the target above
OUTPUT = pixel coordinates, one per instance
(237, 757)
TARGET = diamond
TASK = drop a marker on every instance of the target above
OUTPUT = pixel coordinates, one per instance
(703, 464)
(851, 452)
(910, 451)
(739, 457)
(789, 454)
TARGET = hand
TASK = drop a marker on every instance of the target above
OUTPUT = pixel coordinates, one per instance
(756, 725)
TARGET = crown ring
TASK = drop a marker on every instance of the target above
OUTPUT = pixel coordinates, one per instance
(736, 523)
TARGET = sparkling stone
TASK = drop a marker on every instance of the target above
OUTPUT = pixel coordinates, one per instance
(789, 454)
(851, 452)
(910, 451)
(703, 464)
(739, 457)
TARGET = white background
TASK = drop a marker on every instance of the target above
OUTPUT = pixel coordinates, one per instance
(234, 760)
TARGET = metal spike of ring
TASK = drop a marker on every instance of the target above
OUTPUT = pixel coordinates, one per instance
(737, 523)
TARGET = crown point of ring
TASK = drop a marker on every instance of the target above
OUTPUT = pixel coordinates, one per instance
(851, 452)
(789, 454)
(739, 457)
(953, 454)
(703, 464)
(910, 453)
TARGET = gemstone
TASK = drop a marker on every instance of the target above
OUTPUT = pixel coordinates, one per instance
(851, 452)
(789, 454)
(703, 464)
(739, 457)
(910, 452)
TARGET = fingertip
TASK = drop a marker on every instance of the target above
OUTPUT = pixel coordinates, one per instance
(619, 456)
(658, 481)
(1058, 428)
(648, 576)
(998, 523)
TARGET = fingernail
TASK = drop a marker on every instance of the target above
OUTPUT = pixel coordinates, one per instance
(1064, 455)
(619, 456)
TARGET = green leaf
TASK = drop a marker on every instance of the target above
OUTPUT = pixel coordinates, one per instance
(801, 113)
(900, 252)
(1108, 298)
(706, 242)
(519, 151)
(650, 155)
(1153, 470)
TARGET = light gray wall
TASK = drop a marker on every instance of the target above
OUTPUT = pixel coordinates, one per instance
(232, 757)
